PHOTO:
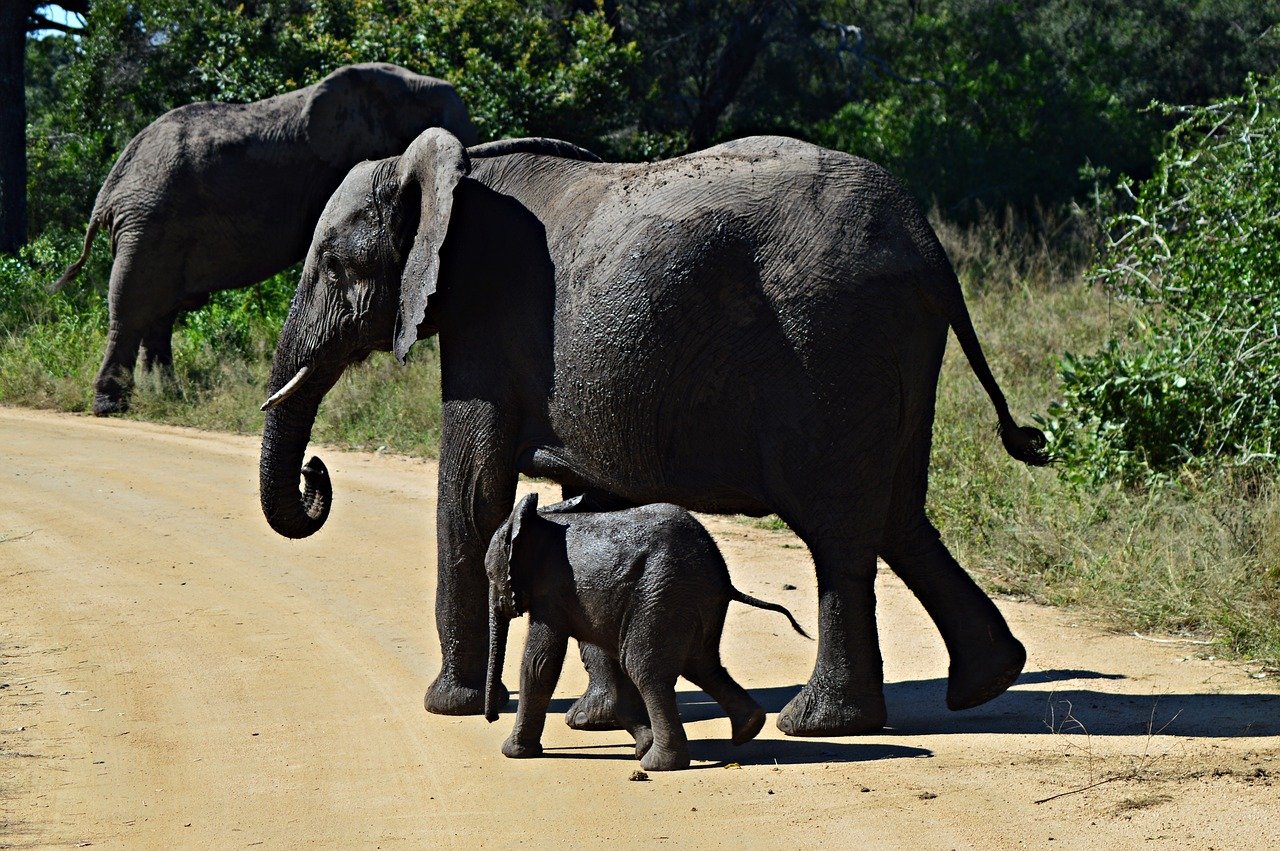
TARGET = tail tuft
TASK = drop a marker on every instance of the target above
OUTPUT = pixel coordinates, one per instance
(1026, 444)
(74, 268)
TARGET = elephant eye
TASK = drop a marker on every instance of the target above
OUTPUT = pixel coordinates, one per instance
(330, 267)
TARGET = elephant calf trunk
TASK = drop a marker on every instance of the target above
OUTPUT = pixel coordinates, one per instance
(499, 623)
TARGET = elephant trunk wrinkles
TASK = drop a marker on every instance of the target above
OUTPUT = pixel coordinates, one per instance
(284, 440)
(499, 623)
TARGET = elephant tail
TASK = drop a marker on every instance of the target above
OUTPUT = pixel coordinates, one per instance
(739, 597)
(74, 269)
(1024, 443)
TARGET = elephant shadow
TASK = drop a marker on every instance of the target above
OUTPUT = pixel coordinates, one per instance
(918, 707)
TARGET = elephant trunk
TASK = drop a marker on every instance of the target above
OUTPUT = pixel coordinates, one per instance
(499, 623)
(284, 440)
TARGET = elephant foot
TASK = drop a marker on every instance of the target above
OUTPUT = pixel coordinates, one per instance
(984, 674)
(447, 696)
(595, 710)
(105, 404)
(664, 759)
(814, 713)
(514, 749)
(747, 727)
(644, 741)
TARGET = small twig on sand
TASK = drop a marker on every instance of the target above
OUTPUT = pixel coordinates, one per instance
(1129, 775)
(1171, 640)
(4, 539)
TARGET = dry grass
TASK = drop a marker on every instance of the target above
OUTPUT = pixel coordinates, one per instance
(1199, 556)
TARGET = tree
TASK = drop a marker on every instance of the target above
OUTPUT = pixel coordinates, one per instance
(17, 18)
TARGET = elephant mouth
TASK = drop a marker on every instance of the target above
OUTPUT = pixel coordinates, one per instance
(290, 387)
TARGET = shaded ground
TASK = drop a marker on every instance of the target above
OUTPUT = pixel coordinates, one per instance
(173, 673)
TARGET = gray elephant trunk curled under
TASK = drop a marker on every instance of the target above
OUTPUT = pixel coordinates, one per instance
(284, 441)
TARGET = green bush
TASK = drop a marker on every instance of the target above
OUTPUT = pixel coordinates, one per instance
(1195, 379)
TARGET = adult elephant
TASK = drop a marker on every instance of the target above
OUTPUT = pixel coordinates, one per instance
(214, 196)
(754, 328)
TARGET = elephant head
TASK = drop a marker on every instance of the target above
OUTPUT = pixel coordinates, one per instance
(373, 263)
(508, 594)
(375, 109)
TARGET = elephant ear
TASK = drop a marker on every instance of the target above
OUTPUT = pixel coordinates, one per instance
(523, 518)
(351, 114)
(430, 170)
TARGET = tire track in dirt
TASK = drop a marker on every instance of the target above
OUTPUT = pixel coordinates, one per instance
(173, 673)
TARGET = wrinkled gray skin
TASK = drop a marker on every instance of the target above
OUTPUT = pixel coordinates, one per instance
(753, 328)
(214, 196)
(647, 587)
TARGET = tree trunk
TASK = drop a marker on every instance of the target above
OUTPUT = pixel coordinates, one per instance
(13, 125)
(743, 42)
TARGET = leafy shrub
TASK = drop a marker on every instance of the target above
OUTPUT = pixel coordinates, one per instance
(1196, 378)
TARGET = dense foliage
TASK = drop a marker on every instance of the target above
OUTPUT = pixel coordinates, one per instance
(1195, 378)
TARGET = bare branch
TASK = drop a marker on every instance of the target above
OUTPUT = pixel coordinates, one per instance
(40, 22)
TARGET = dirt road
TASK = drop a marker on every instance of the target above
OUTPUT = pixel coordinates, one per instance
(172, 673)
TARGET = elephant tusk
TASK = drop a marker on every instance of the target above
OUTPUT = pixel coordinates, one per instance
(286, 391)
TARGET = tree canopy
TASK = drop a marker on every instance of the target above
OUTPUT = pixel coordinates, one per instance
(974, 103)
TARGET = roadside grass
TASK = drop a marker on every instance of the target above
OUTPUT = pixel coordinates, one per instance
(1198, 556)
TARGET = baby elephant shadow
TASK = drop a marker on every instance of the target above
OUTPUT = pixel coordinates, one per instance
(716, 752)
(719, 753)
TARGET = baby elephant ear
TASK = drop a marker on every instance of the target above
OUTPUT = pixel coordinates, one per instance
(523, 517)
(430, 170)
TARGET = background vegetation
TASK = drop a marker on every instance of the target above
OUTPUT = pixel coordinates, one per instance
(1119, 257)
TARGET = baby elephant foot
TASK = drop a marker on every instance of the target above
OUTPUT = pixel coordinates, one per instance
(664, 759)
(516, 749)
(595, 710)
(984, 674)
(815, 713)
(747, 726)
(447, 696)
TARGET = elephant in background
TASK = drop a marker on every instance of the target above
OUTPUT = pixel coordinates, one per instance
(753, 328)
(647, 587)
(214, 196)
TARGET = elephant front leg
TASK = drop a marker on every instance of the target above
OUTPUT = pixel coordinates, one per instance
(543, 658)
(476, 491)
(845, 693)
(597, 708)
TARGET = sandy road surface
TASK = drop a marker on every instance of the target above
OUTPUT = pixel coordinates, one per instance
(174, 674)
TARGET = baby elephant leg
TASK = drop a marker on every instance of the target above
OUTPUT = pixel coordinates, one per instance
(670, 748)
(631, 713)
(543, 656)
(745, 715)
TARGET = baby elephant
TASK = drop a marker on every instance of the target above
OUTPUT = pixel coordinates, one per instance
(647, 586)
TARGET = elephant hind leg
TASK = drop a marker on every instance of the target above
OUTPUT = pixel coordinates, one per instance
(114, 383)
(845, 692)
(157, 345)
(746, 717)
(669, 750)
(142, 293)
(985, 657)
